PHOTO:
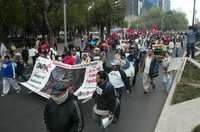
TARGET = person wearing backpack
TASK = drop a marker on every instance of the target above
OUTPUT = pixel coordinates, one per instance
(105, 99)
(151, 70)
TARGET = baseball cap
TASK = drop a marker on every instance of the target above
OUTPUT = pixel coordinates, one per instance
(114, 62)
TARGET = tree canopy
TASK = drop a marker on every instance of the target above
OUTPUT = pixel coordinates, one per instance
(171, 20)
(31, 17)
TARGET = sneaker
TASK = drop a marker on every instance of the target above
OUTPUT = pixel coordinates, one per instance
(18, 90)
(115, 119)
(2, 95)
(128, 91)
(30, 91)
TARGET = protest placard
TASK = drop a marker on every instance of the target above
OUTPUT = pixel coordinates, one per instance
(175, 64)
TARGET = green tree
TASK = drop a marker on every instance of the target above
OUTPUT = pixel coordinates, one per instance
(171, 20)
(11, 17)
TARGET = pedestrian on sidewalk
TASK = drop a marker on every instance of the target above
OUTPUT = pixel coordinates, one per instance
(151, 70)
(105, 100)
(191, 40)
(62, 112)
(9, 78)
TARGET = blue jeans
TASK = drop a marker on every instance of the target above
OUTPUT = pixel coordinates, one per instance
(191, 50)
(177, 52)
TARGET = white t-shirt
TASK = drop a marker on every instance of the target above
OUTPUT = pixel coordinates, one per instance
(147, 64)
(178, 44)
(116, 79)
(3, 50)
(171, 45)
(32, 52)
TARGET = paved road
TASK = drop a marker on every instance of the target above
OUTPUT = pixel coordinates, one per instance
(24, 112)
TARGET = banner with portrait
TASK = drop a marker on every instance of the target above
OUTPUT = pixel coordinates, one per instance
(80, 79)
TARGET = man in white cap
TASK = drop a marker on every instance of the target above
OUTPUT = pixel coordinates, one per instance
(118, 79)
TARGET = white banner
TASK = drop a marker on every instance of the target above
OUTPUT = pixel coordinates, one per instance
(80, 79)
(89, 84)
(40, 75)
(175, 64)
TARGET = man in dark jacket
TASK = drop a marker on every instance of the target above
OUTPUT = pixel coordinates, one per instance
(117, 77)
(25, 55)
(62, 113)
(119, 80)
(105, 99)
(151, 70)
(20, 67)
(134, 58)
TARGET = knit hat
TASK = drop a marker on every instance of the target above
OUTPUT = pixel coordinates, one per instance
(58, 88)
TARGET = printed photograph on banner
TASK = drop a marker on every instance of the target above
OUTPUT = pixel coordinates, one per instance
(72, 77)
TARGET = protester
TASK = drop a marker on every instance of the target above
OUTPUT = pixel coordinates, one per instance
(85, 58)
(96, 54)
(69, 59)
(178, 48)
(20, 67)
(33, 54)
(171, 48)
(151, 70)
(105, 99)
(8, 74)
(127, 67)
(62, 112)
(118, 79)
(134, 58)
(44, 48)
(25, 55)
(3, 49)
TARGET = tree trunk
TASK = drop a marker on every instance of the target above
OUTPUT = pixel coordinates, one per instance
(51, 36)
(108, 28)
(102, 31)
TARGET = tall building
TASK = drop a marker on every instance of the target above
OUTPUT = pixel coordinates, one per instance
(165, 5)
(148, 4)
(134, 9)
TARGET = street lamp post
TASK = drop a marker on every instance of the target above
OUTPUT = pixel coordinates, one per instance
(65, 22)
(194, 9)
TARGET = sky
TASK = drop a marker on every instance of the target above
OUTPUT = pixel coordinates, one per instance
(186, 6)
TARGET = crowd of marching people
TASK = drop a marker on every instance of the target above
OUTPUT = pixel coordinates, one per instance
(123, 56)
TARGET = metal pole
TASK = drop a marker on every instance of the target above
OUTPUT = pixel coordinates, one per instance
(194, 12)
(65, 22)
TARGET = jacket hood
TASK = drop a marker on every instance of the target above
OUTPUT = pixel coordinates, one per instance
(63, 98)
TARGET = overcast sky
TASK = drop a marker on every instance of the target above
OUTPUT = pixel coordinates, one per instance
(186, 6)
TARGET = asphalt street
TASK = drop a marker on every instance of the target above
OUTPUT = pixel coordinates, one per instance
(24, 112)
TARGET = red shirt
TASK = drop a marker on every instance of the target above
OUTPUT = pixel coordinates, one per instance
(70, 60)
